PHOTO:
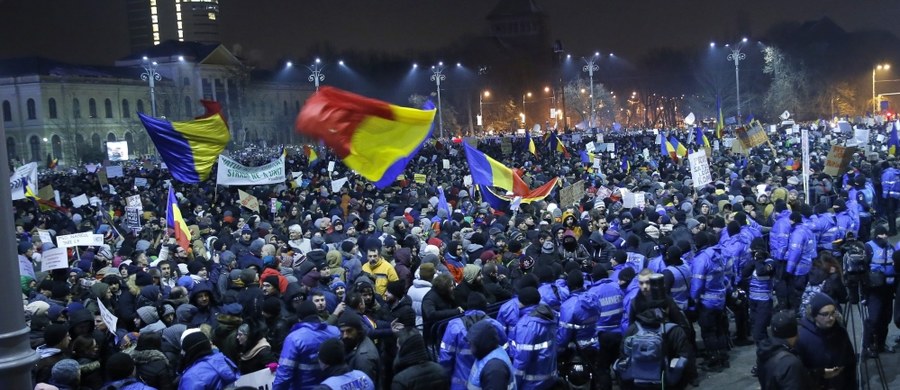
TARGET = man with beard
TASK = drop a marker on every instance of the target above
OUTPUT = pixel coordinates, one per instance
(472, 283)
(438, 303)
(361, 352)
(379, 269)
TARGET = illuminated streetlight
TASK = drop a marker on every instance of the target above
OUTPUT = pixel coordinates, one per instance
(437, 76)
(736, 56)
(875, 99)
(590, 67)
(151, 77)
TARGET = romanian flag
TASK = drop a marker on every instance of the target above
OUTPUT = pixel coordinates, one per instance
(502, 201)
(720, 123)
(894, 141)
(52, 163)
(311, 155)
(489, 172)
(372, 137)
(700, 138)
(626, 165)
(587, 157)
(562, 148)
(530, 142)
(680, 150)
(190, 148)
(666, 148)
(175, 222)
(442, 202)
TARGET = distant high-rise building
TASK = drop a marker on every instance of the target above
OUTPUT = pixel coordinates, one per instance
(151, 22)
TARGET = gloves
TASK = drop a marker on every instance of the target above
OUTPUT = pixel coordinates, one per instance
(272, 367)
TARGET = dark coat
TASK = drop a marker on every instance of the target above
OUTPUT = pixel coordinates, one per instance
(819, 349)
(256, 358)
(779, 368)
(436, 307)
(414, 370)
(366, 359)
(153, 369)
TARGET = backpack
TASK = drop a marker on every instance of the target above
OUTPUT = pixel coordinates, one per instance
(645, 356)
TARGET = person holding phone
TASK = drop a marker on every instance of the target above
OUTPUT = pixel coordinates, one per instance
(824, 346)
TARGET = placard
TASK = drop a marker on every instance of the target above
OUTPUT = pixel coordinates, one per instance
(337, 184)
(603, 192)
(445, 163)
(838, 159)
(140, 182)
(419, 178)
(467, 180)
(571, 195)
(133, 218)
(95, 201)
(248, 201)
(79, 239)
(117, 151)
(114, 171)
(45, 236)
(111, 320)
(752, 137)
(80, 200)
(262, 380)
(700, 173)
(330, 166)
(861, 136)
(134, 201)
(590, 147)
(55, 258)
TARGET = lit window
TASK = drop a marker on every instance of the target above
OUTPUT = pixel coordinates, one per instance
(180, 35)
(152, 3)
(177, 7)
(155, 19)
(212, 16)
(155, 27)
(180, 26)
(178, 16)
(153, 10)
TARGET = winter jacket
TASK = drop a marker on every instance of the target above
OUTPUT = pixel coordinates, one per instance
(436, 307)
(365, 358)
(298, 367)
(578, 318)
(211, 372)
(417, 294)
(257, 357)
(609, 296)
(414, 370)
(153, 369)
(819, 349)
(455, 353)
(708, 284)
(383, 273)
(780, 235)
(554, 294)
(676, 341)
(736, 251)
(49, 356)
(535, 341)
(779, 368)
(127, 384)
(801, 250)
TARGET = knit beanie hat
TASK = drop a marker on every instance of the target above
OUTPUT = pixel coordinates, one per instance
(120, 366)
(272, 306)
(529, 296)
(148, 314)
(331, 352)
(65, 373)
(248, 276)
(470, 272)
(194, 342)
(817, 302)
(397, 288)
(55, 334)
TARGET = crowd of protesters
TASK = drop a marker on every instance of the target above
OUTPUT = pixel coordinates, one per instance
(384, 289)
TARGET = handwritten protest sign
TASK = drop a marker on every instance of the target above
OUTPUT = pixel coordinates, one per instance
(54, 259)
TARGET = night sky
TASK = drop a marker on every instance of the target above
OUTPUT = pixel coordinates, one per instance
(94, 31)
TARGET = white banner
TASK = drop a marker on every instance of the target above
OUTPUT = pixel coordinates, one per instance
(79, 201)
(113, 171)
(134, 201)
(117, 151)
(140, 182)
(337, 184)
(110, 319)
(27, 172)
(54, 259)
(700, 174)
(233, 173)
(79, 239)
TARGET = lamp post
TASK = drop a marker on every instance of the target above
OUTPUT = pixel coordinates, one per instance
(151, 77)
(437, 75)
(590, 67)
(481, 107)
(316, 75)
(736, 56)
(875, 99)
(524, 95)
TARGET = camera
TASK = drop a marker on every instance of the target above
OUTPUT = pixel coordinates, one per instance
(657, 287)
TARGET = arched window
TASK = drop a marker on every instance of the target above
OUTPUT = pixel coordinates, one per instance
(51, 108)
(35, 144)
(95, 141)
(186, 81)
(7, 111)
(284, 109)
(110, 137)
(140, 106)
(11, 147)
(188, 107)
(56, 146)
(92, 108)
(107, 108)
(76, 109)
(126, 109)
(31, 108)
(132, 148)
(167, 108)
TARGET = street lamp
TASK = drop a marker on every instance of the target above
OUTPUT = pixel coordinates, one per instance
(736, 56)
(590, 67)
(481, 107)
(315, 73)
(528, 94)
(437, 76)
(875, 99)
(151, 77)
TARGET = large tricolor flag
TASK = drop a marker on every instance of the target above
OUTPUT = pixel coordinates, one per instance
(720, 123)
(666, 148)
(680, 150)
(311, 156)
(700, 138)
(175, 222)
(894, 140)
(372, 137)
(489, 172)
(190, 148)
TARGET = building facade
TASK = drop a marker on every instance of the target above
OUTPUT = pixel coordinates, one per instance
(151, 22)
(70, 112)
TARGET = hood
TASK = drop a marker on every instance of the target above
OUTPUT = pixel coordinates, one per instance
(412, 352)
(403, 256)
(147, 356)
(150, 293)
(99, 289)
(132, 286)
(544, 312)
(198, 288)
(45, 351)
(769, 347)
(483, 338)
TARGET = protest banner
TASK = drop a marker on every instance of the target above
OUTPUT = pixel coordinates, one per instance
(80, 200)
(111, 320)
(330, 166)
(114, 171)
(571, 194)
(133, 218)
(838, 159)
(752, 137)
(140, 182)
(248, 201)
(27, 173)
(45, 237)
(117, 151)
(53, 259)
(420, 178)
(700, 173)
(445, 163)
(233, 173)
(79, 239)
(337, 184)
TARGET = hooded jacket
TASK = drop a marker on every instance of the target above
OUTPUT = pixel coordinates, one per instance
(535, 358)
(578, 318)
(298, 367)
(455, 353)
(211, 372)
(801, 250)
(416, 294)
(709, 284)
(779, 367)
(414, 368)
(819, 349)
(383, 273)
(780, 235)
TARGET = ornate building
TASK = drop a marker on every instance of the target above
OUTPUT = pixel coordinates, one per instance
(70, 111)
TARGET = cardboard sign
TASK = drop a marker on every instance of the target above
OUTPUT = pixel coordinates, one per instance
(79, 239)
(700, 173)
(248, 201)
(590, 147)
(838, 159)
(134, 201)
(263, 379)
(467, 180)
(54, 259)
(419, 178)
(445, 163)
(133, 218)
(111, 320)
(330, 166)
(752, 137)
(572, 194)
(45, 236)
